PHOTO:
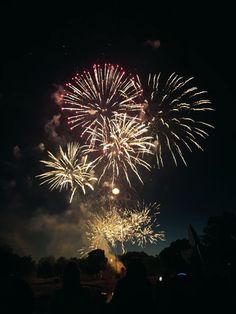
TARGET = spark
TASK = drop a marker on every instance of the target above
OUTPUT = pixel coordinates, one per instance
(97, 95)
(115, 191)
(119, 226)
(68, 170)
(171, 111)
(121, 145)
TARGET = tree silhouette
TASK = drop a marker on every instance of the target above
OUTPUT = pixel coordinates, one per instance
(177, 257)
(220, 242)
(96, 261)
(46, 267)
(152, 263)
(60, 265)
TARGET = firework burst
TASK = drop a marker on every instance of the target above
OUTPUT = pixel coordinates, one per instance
(119, 226)
(121, 143)
(143, 219)
(97, 95)
(68, 170)
(171, 111)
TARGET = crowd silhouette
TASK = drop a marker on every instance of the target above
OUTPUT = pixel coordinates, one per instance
(182, 292)
(72, 296)
(133, 291)
(16, 295)
(185, 281)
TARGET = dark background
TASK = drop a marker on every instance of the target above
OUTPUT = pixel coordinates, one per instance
(42, 47)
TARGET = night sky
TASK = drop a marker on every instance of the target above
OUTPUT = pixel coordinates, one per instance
(40, 52)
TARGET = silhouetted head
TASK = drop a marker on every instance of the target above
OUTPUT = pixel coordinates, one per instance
(71, 276)
(136, 269)
(5, 262)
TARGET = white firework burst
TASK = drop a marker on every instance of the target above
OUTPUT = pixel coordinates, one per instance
(69, 170)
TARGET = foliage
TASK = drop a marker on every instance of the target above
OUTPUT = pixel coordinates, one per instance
(96, 261)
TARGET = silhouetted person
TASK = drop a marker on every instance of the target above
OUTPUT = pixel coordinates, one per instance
(16, 295)
(180, 294)
(71, 298)
(216, 295)
(133, 291)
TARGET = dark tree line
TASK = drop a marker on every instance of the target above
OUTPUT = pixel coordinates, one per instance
(51, 267)
(212, 252)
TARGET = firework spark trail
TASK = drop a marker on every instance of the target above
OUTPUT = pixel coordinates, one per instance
(122, 144)
(119, 226)
(69, 170)
(100, 94)
(171, 109)
(144, 224)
